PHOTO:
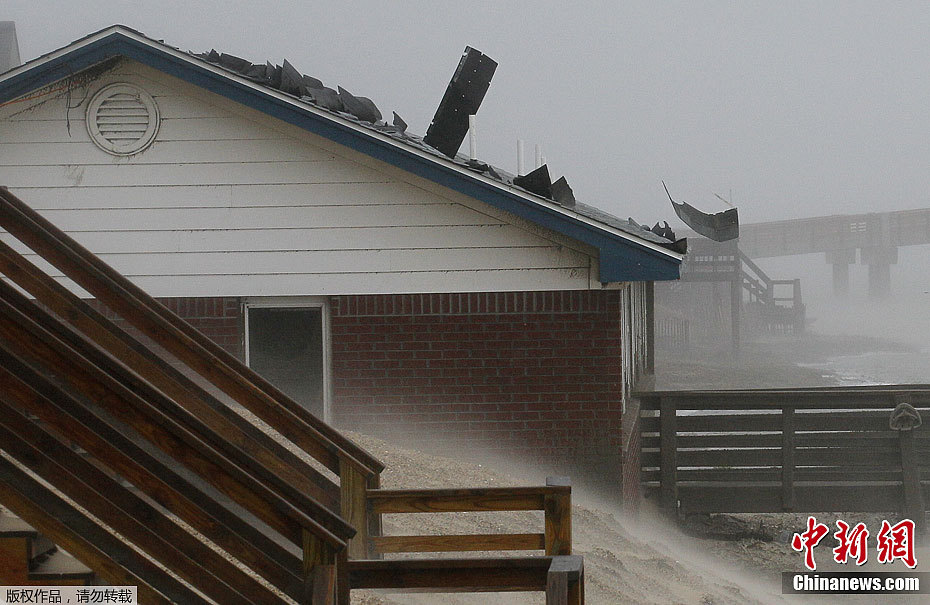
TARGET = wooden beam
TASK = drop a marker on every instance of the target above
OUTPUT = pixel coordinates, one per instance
(913, 502)
(787, 458)
(354, 508)
(517, 574)
(461, 500)
(565, 581)
(459, 543)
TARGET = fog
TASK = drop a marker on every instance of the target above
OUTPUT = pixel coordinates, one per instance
(793, 108)
(788, 109)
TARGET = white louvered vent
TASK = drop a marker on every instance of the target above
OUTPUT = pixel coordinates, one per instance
(122, 119)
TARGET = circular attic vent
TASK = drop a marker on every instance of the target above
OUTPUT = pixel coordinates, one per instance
(122, 119)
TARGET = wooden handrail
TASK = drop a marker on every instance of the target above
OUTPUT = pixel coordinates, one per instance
(261, 449)
(209, 359)
(85, 379)
(755, 269)
(462, 499)
(775, 399)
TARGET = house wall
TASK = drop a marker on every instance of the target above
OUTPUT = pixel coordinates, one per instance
(230, 202)
(532, 373)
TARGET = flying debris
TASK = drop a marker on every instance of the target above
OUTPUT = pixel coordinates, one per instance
(462, 98)
(720, 227)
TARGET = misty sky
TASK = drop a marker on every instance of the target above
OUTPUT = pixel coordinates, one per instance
(799, 108)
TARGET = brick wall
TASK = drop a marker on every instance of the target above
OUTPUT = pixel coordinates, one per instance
(536, 373)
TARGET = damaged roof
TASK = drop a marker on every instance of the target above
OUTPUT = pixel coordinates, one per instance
(627, 251)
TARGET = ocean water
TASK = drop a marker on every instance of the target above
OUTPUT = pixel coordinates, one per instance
(879, 367)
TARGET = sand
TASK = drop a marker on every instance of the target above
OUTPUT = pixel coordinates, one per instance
(707, 560)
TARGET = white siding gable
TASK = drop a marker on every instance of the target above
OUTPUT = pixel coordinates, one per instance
(229, 202)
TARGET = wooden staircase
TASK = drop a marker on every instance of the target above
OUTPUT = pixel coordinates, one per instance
(148, 479)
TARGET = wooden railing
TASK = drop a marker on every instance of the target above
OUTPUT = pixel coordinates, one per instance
(554, 498)
(72, 378)
(787, 450)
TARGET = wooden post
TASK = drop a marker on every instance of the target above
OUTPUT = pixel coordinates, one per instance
(650, 327)
(558, 507)
(374, 519)
(787, 459)
(913, 494)
(905, 420)
(736, 301)
(565, 581)
(343, 589)
(668, 468)
(354, 507)
(319, 571)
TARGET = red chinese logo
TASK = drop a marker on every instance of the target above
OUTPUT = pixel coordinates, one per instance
(808, 540)
(893, 541)
(897, 542)
(851, 543)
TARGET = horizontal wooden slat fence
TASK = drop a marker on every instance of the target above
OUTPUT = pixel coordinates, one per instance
(787, 450)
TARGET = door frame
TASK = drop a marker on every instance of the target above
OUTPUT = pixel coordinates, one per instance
(298, 302)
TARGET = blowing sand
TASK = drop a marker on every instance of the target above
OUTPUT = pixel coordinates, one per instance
(625, 562)
(716, 560)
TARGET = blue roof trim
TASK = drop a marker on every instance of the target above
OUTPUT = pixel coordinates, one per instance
(620, 259)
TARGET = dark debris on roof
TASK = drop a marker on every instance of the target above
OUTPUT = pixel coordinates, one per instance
(363, 111)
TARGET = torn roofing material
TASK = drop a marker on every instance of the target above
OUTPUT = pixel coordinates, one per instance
(626, 251)
(462, 98)
(720, 227)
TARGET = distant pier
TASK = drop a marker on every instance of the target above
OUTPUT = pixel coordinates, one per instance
(873, 239)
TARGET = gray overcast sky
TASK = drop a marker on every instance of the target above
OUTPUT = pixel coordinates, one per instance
(799, 108)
